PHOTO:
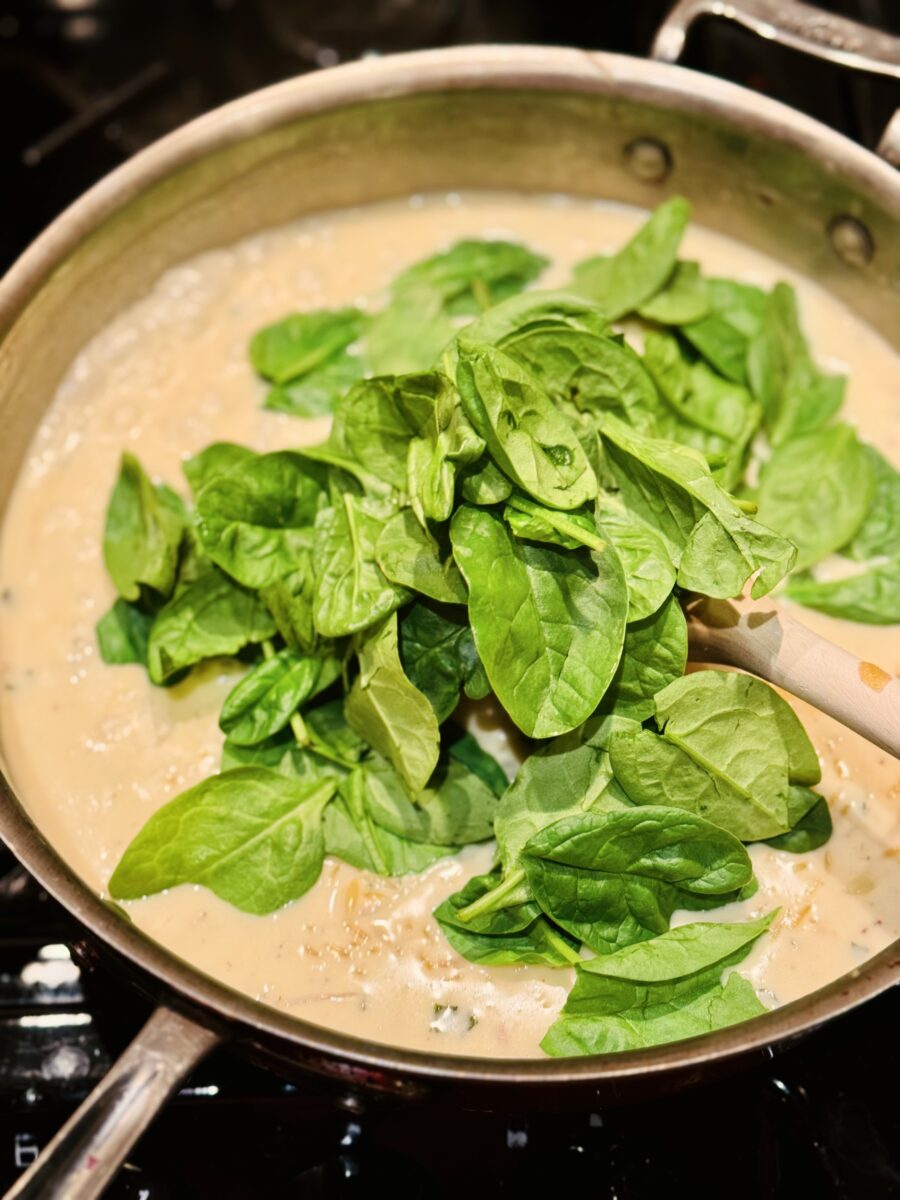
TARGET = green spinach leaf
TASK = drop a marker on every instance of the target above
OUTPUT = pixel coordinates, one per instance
(143, 534)
(508, 936)
(714, 543)
(528, 438)
(653, 656)
(729, 748)
(658, 991)
(211, 616)
(624, 281)
(871, 596)
(615, 878)
(548, 625)
(685, 298)
(816, 490)
(352, 592)
(879, 533)
(439, 657)
(389, 712)
(410, 557)
(456, 808)
(250, 835)
(597, 374)
(268, 696)
(723, 336)
(257, 518)
(796, 397)
(303, 342)
(123, 633)
(811, 831)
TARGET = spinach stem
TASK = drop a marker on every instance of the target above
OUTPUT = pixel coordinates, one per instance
(568, 952)
(268, 649)
(317, 748)
(494, 898)
(747, 506)
(559, 521)
(482, 294)
(298, 727)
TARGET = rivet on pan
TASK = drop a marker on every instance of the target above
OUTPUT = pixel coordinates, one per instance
(851, 240)
(648, 160)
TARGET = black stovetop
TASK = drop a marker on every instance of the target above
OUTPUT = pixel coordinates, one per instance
(89, 82)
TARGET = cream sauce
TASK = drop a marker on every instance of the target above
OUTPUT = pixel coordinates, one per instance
(94, 750)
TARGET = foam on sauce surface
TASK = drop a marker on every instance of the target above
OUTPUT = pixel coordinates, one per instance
(94, 750)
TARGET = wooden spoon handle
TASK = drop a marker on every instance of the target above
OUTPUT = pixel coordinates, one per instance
(757, 637)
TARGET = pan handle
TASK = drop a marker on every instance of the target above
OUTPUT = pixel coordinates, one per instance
(802, 27)
(791, 23)
(87, 1152)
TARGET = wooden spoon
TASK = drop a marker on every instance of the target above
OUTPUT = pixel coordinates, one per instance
(759, 638)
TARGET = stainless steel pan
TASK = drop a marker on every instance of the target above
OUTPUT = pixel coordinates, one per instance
(534, 119)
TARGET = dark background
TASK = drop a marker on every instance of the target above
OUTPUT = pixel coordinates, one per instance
(83, 85)
(86, 83)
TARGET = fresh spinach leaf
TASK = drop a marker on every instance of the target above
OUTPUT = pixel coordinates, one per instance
(816, 490)
(352, 592)
(572, 530)
(446, 441)
(268, 696)
(597, 374)
(374, 422)
(548, 625)
(527, 437)
(123, 633)
(723, 336)
(716, 546)
(879, 534)
(472, 275)
(316, 393)
(564, 777)
(684, 298)
(519, 935)
(701, 409)
(728, 749)
(410, 557)
(219, 458)
(658, 991)
(527, 313)
(615, 878)
(485, 484)
(409, 334)
(211, 616)
(644, 553)
(465, 749)
(796, 397)
(654, 655)
(143, 534)
(455, 809)
(389, 712)
(439, 657)
(250, 835)
(811, 831)
(871, 596)
(291, 600)
(349, 836)
(302, 343)
(624, 281)
(256, 519)
(637, 1016)
(679, 952)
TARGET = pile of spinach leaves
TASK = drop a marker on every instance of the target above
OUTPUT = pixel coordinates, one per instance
(510, 500)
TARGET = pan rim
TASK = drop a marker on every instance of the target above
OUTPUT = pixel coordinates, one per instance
(462, 68)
